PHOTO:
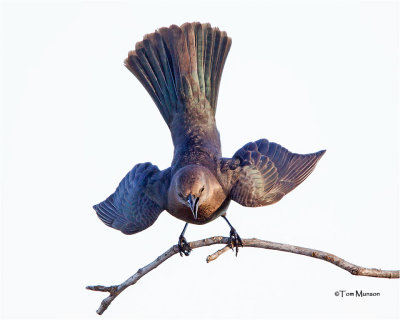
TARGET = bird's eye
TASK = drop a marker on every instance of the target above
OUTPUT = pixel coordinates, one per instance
(202, 189)
(181, 195)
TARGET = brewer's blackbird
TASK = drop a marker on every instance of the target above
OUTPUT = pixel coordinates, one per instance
(181, 68)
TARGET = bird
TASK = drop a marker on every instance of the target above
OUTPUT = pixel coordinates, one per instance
(181, 68)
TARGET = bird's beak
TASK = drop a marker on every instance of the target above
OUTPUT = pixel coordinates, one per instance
(193, 204)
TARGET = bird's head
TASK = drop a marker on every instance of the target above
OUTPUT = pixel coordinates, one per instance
(192, 186)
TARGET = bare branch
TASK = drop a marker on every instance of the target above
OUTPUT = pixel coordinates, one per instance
(255, 243)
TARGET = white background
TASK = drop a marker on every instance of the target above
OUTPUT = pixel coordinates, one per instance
(308, 75)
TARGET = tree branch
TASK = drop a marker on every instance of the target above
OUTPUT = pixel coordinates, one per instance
(255, 243)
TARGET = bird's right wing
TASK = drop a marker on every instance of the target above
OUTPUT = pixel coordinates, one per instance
(138, 201)
(262, 172)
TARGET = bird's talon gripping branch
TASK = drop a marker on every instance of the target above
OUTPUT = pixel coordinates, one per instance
(183, 246)
(235, 241)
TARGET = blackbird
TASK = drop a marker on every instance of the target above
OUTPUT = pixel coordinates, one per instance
(181, 68)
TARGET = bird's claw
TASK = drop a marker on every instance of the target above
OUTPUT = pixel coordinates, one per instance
(183, 246)
(235, 241)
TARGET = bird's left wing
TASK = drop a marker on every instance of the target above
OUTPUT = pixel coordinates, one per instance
(138, 201)
(262, 172)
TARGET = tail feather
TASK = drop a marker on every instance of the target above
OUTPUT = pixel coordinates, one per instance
(181, 67)
(145, 60)
(223, 53)
(165, 61)
(209, 39)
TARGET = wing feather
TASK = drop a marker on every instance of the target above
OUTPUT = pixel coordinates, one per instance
(138, 201)
(262, 172)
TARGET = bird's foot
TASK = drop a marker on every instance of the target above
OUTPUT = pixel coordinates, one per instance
(183, 246)
(235, 241)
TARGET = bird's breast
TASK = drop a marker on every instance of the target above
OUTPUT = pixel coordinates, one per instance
(207, 212)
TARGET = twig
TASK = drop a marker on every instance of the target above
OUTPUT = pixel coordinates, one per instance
(216, 254)
(255, 243)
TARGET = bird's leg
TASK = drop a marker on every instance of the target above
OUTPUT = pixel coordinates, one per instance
(183, 246)
(235, 240)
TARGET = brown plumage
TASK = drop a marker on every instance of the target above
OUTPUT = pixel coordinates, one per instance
(181, 69)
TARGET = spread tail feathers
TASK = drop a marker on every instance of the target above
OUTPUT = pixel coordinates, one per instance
(181, 66)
